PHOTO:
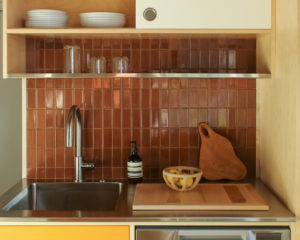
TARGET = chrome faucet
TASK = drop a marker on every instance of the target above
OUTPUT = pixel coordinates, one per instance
(75, 113)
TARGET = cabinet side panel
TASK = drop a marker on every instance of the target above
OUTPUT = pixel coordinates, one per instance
(15, 13)
(16, 54)
(279, 97)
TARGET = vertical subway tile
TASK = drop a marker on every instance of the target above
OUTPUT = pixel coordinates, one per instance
(184, 137)
(145, 118)
(60, 120)
(145, 99)
(126, 99)
(88, 98)
(98, 138)
(50, 138)
(31, 138)
(251, 117)
(107, 118)
(183, 118)
(31, 119)
(88, 138)
(184, 96)
(31, 98)
(50, 118)
(174, 137)
(242, 98)
(155, 118)
(97, 118)
(117, 83)
(136, 119)
(193, 136)
(88, 119)
(242, 117)
(41, 118)
(174, 98)
(31, 157)
(78, 96)
(41, 98)
(116, 118)
(154, 137)
(193, 117)
(41, 138)
(213, 117)
(162, 115)
(212, 98)
(203, 116)
(135, 96)
(155, 98)
(126, 117)
(97, 98)
(164, 98)
(145, 137)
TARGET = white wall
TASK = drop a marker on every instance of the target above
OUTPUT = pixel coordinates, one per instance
(10, 131)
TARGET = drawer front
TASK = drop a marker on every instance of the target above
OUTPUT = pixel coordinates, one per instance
(64, 232)
(203, 14)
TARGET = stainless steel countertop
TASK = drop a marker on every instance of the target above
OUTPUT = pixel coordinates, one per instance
(123, 212)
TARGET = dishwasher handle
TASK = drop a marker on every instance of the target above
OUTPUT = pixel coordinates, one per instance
(212, 235)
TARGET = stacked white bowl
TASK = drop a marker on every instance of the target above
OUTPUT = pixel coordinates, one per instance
(46, 18)
(102, 19)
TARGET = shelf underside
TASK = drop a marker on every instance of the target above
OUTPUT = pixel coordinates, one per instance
(133, 32)
(141, 75)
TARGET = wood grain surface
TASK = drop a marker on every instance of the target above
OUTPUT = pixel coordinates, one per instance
(151, 196)
(217, 157)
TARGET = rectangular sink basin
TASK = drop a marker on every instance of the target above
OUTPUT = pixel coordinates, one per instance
(67, 197)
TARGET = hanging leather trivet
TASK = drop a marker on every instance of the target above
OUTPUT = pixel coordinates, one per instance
(217, 157)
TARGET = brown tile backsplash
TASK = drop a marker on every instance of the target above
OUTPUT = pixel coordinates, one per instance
(160, 114)
(147, 55)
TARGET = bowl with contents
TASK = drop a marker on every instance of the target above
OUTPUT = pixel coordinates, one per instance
(102, 19)
(182, 178)
(46, 18)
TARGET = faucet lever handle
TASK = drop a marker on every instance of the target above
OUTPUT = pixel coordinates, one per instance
(88, 165)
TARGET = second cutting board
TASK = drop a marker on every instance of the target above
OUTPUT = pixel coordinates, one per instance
(204, 197)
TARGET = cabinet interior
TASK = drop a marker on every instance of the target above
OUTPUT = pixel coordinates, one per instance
(16, 10)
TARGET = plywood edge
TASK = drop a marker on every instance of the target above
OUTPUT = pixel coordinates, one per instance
(133, 32)
(204, 207)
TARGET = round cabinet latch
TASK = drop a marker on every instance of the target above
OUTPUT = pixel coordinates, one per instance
(150, 14)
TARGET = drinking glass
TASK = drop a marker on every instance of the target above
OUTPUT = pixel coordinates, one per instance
(72, 59)
(98, 65)
(120, 65)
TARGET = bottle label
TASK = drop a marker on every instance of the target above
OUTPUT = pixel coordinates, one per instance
(135, 169)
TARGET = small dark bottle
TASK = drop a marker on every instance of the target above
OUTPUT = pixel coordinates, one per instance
(134, 165)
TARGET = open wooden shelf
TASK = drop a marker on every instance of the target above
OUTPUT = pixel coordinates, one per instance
(141, 75)
(133, 32)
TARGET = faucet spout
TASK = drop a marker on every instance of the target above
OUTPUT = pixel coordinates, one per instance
(75, 113)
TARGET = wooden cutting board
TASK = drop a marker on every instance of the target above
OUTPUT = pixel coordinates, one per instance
(153, 196)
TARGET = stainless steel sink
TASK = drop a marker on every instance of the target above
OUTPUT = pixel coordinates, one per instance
(67, 196)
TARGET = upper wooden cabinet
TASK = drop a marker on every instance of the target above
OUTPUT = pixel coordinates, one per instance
(204, 14)
(256, 12)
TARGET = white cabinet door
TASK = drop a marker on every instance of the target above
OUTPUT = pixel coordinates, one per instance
(204, 14)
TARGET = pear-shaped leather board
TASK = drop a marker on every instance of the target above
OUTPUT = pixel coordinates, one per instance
(217, 157)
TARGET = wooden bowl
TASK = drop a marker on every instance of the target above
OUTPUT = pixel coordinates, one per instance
(181, 178)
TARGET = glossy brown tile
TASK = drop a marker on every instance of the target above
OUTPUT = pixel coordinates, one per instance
(162, 115)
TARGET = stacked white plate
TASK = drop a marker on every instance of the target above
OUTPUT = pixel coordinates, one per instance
(102, 19)
(46, 18)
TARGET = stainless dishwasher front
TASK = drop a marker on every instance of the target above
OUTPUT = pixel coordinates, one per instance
(212, 233)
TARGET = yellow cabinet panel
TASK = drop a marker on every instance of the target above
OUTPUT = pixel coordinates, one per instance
(64, 232)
